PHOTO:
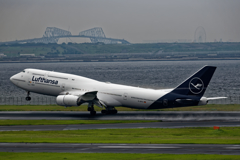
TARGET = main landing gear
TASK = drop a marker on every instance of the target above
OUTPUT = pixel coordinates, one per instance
(91, 109)
(109, 111)
(28, 98)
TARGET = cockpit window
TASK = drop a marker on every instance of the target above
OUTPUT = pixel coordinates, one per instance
(23, 71)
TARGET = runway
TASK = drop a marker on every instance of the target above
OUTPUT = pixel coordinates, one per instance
(170, 120)
(120, 126)
(126, 115)
(121, 148)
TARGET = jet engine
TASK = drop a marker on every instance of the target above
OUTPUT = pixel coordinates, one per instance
(68, 100)
(203, 101)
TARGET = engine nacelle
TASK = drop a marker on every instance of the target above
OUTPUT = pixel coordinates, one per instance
(68, 100)
(203, 101)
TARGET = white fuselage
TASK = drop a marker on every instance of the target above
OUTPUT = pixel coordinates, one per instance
(55, 83)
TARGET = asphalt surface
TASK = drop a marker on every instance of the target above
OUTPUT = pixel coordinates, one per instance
(120, 126)
(124, 115)
(121, 148)
(170, 120)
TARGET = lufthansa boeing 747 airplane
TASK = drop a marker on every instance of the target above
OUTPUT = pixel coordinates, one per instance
(73, 90)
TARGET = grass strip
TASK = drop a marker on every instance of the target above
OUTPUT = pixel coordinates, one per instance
(199, 135)
(112, 156)
(209, 107)
(66, 122)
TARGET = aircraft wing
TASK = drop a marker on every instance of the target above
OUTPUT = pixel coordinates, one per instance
(90, 96)
(86, 95)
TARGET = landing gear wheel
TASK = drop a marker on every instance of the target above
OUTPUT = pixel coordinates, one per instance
(114, 111)
(109, 111)
(104, 111)
(93, 113)
(28, 98)
(91, 109)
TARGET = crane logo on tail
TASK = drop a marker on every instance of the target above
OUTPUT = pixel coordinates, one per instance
(196, 85)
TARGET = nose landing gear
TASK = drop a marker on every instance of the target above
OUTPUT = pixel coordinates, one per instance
(28, 98)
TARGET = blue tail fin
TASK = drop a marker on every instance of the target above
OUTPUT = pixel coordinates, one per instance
(197, 83)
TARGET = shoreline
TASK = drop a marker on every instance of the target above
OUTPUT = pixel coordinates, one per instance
(119, 60)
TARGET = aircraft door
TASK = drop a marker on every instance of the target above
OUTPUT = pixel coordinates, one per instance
(125, 95)
(30, 82)
(46, 75)
(63, 87)
(165, 102)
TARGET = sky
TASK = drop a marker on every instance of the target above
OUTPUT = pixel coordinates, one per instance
(137, 21)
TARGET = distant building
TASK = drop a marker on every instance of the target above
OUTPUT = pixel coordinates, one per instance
(27, 55)
(2, 55)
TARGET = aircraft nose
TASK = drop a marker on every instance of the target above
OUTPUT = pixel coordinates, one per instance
(11, 78)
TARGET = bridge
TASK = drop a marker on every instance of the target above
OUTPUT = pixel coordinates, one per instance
(53, 34)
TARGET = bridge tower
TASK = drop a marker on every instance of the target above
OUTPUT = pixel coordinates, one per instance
(50, 35)
(97, 35)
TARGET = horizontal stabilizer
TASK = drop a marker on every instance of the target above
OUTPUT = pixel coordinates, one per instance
(213, 98)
